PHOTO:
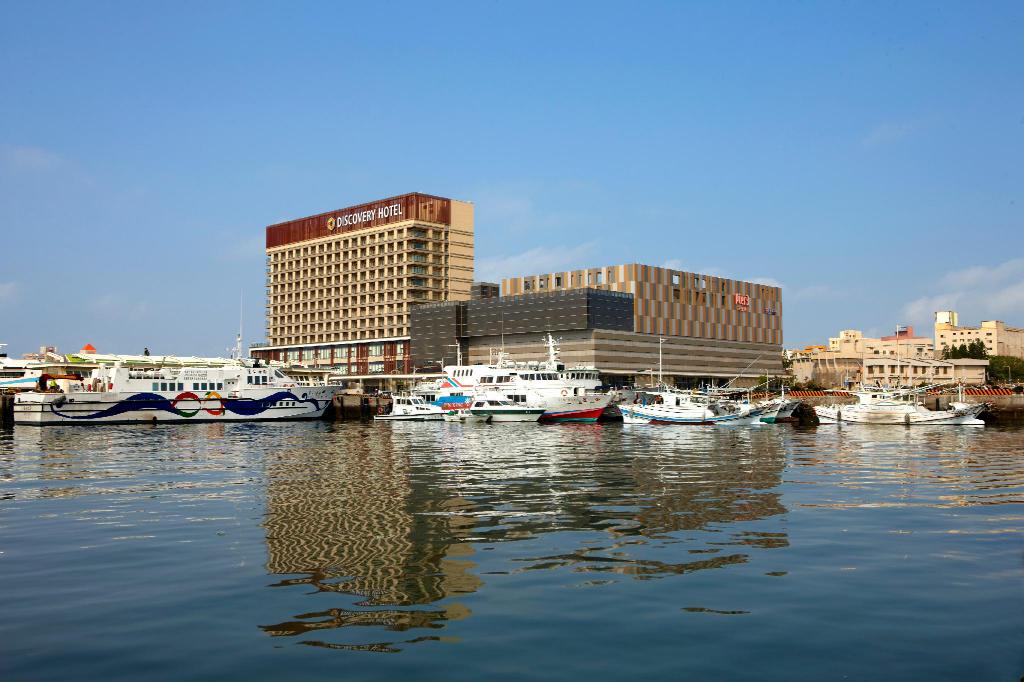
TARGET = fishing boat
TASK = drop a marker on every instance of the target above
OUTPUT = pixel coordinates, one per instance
(878, 405)
(779, 409)
(411, 408)
(239, 391)
(666, 406)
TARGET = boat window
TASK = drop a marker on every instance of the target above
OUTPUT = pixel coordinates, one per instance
(487, 380)
(220, 386)
(163, 385)
(195, 387)
(248, 379)
(478, 404)
(156, 386)
(181, 387)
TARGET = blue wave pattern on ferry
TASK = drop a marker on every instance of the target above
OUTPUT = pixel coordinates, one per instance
(158, 403)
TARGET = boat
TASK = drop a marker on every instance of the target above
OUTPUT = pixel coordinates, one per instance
(240, 391)
(878, 405)
(779, 409)
(411, 408)
(494, 408)
(529, 384)
(667, 406)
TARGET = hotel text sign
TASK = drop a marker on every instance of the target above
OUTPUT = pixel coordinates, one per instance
(742, 302)
(346, 219)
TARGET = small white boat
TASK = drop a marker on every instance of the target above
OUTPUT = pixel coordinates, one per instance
(411, 408)
(899, 406)
(495, 408)
(778, 409)
(674, 407)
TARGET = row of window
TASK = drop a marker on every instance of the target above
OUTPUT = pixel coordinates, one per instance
(200, 386)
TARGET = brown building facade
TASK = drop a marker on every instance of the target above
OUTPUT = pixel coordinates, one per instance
(340, 285)
(677, 303)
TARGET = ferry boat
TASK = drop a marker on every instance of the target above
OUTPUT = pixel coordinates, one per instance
(879, 405)
(119, 394)
(531, 384)
(664, 406)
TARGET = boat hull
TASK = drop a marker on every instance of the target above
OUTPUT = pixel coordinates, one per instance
(89, 408)
(634, 414)
(850, 414)
(588, 414)
(511, 415)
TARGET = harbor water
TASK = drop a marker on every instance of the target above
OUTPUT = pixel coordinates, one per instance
(446, 551)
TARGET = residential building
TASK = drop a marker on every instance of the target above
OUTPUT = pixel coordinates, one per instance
(999, 339)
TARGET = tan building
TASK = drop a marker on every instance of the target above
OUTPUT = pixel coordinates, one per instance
(713, 328)
(676, 303)
(900, 359)
(853, 343)
(999, 339)
(340, 285)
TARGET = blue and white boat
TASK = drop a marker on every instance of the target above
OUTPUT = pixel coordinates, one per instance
(240, 391)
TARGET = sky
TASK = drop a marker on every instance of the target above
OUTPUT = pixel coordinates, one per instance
(867, 157)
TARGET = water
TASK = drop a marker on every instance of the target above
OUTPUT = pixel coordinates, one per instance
(467, 552)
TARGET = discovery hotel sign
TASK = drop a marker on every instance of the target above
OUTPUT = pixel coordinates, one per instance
(407, 207)
(392, 211)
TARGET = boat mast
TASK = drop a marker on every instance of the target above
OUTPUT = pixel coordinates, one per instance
(661, 342)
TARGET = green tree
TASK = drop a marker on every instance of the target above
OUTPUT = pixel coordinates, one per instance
(945, 352)
(1003, 369)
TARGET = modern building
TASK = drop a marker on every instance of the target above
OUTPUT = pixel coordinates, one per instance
(619, 319)
(341, 285)
(999, 339)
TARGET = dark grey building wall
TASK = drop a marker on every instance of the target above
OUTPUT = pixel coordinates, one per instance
(434, 327)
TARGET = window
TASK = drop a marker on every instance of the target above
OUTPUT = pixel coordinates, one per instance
(156, 386)
(195, 387)
(558, 281)
(181, 387)
(163, 385)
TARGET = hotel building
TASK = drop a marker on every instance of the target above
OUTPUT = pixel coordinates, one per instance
(617, 319)
(341, 285)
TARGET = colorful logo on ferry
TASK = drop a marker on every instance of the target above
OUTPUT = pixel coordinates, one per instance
(246, 407)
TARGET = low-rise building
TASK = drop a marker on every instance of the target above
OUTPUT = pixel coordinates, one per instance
(901, 358)
(999, 339)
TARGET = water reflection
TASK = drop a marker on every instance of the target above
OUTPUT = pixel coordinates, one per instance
(391, 515)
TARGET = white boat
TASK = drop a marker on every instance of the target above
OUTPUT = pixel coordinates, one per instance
(899, 406)
(411, 408)
(664, 406)
(530, 384)
(494, 408)
(119, 394)
(778, 409)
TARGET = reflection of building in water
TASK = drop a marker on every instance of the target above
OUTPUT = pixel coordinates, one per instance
(352, 519)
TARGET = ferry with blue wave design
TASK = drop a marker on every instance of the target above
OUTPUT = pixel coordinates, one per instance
(115, 395)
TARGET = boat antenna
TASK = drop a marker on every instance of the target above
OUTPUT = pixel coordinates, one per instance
(238, 339)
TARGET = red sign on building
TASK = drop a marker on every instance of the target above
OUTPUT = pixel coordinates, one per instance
(742, 302)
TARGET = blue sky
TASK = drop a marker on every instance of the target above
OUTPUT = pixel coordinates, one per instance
(867, 156)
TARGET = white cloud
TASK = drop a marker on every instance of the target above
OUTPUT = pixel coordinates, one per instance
(976, 293)
(536, 261)
(8, 292)
(30, 159)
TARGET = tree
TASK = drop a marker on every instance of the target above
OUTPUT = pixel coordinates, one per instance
(1005, 369)
(945, 352)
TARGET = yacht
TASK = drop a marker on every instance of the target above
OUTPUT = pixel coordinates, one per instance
(877, 405)
(411, 408)
(530, 384)
(241, 391)
(495, 408)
